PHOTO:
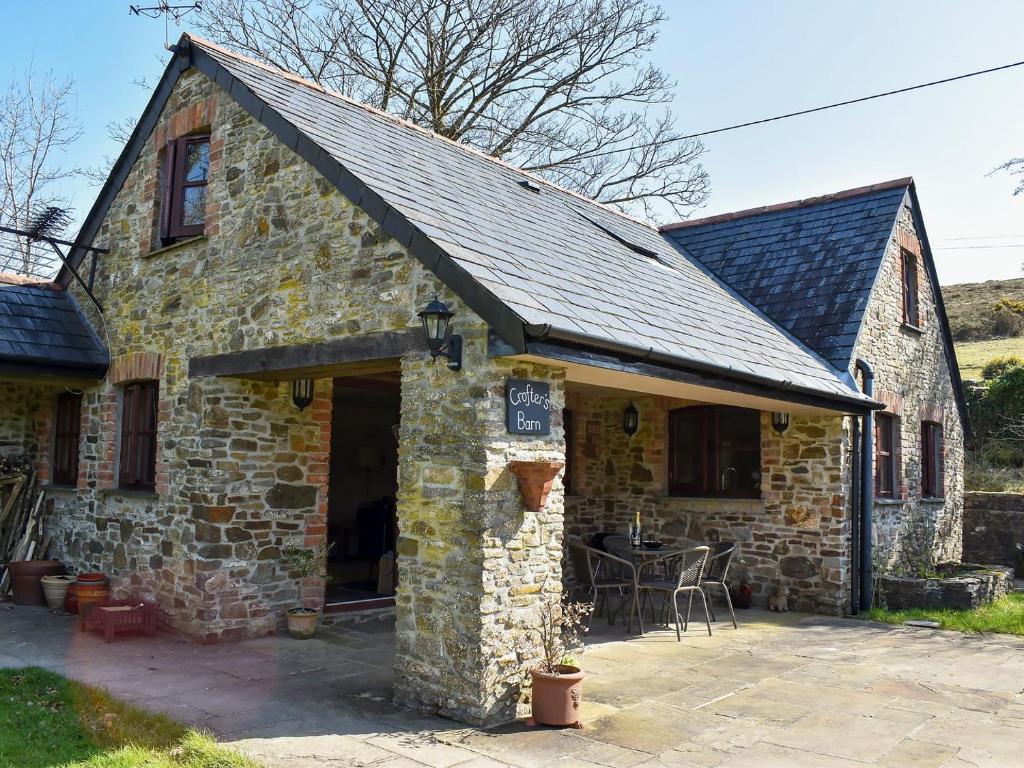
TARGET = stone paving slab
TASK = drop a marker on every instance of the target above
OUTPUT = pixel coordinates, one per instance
(792, 690)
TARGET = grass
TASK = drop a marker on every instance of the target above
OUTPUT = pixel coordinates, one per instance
(974, 312)
(972, 355)
(1004, 616)
(49, 721)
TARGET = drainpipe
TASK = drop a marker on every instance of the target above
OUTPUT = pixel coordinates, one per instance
(867, 489)
(855, 515)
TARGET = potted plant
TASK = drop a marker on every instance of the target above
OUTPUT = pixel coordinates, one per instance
(558, 680)
(303, 564)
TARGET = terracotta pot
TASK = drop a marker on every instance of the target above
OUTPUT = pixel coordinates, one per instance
(55, 589)
(557, 698)
(71, 599)
(302, 622)
(26, 579)
(91, 588)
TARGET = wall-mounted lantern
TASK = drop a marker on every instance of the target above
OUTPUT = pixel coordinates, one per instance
(780, 421)
(438, 332)
(630, 420)
(302, 393)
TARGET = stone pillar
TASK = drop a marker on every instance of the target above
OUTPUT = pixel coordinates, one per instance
(473, 559)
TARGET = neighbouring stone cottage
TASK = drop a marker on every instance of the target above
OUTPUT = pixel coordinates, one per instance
(258, 380)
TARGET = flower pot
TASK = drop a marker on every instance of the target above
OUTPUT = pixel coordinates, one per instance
(71, 599)
(302, 622)
(556, 699)
(91, 588)
(26, 579)
(55, 589)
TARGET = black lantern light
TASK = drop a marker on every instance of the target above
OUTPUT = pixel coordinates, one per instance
(630, 420)
(780, 421)
(437, 329)
(302, 393)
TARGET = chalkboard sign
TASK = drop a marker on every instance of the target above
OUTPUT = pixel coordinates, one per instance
(527, 407)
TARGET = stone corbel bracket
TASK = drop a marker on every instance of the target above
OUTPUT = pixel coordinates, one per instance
(535, 479)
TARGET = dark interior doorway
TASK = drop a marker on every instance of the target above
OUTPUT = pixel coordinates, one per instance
(362, 522)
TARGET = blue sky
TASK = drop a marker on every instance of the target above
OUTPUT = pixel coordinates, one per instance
(734, 61)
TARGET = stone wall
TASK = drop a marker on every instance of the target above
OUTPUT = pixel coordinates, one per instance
(912, 377)
(795, 535)
(473, 562)
(241, 473)
(26, 423)
(994, 529)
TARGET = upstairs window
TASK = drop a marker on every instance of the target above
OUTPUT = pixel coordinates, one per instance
(66, 435)
(715, 451)
(932, 450)
(186, 168)
(137, 466)
(911, 308)
(885, 456)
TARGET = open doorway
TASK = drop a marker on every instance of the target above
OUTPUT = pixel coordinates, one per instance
(362, 521)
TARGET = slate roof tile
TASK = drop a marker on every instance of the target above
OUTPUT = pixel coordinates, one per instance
(808, 267)
(41, 326)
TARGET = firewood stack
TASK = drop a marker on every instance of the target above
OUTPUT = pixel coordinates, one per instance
(21, 517)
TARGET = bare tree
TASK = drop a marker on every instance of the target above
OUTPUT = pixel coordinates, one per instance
(36, 128)
(558, 87)
(1014, 167)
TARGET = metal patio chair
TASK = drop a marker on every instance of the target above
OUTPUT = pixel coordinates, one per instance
(618, 547)
(598, 573)
(687, 569)
(717, 575)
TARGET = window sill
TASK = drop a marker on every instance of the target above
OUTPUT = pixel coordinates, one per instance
(720, 499)
(933, 499)
(60, 488)
(129, 493)
(886, 501)
(173, 246)
(916, 329)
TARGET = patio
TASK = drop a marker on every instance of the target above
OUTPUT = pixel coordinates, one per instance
(782, 690)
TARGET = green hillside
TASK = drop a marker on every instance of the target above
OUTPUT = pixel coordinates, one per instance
(989, 310)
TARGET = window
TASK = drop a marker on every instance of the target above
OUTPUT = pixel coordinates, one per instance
(138, 436)
(885, 455)
(186, 167)
(67, 430)
(932, 481)
(911, 311)
(568, 480)
(715, 451)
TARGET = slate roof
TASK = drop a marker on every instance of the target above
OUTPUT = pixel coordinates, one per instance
(554, 259)
(808, 265)
(42, 331)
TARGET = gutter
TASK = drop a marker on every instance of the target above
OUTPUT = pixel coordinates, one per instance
(863, 556)
(642, 354)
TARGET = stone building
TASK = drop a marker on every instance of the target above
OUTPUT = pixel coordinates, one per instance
(258, 380)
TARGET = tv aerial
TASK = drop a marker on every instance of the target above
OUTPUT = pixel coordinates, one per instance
(168, 11)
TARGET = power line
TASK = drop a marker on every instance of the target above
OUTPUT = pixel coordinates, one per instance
(749, 123)
(977, 247)
(856, 101)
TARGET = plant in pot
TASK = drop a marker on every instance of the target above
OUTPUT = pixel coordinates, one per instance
(303, 564)
(558, 680)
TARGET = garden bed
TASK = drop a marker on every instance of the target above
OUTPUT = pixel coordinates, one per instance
(959, 586)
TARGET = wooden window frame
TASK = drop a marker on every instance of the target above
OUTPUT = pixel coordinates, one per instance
(932, 460)
(137, 462)
(569, 478)
(174, 186)
(911, 294)
(886, 430)
(708, 418)
(67, 434)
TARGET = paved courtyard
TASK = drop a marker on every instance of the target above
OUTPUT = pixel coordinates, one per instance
(793, 690)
